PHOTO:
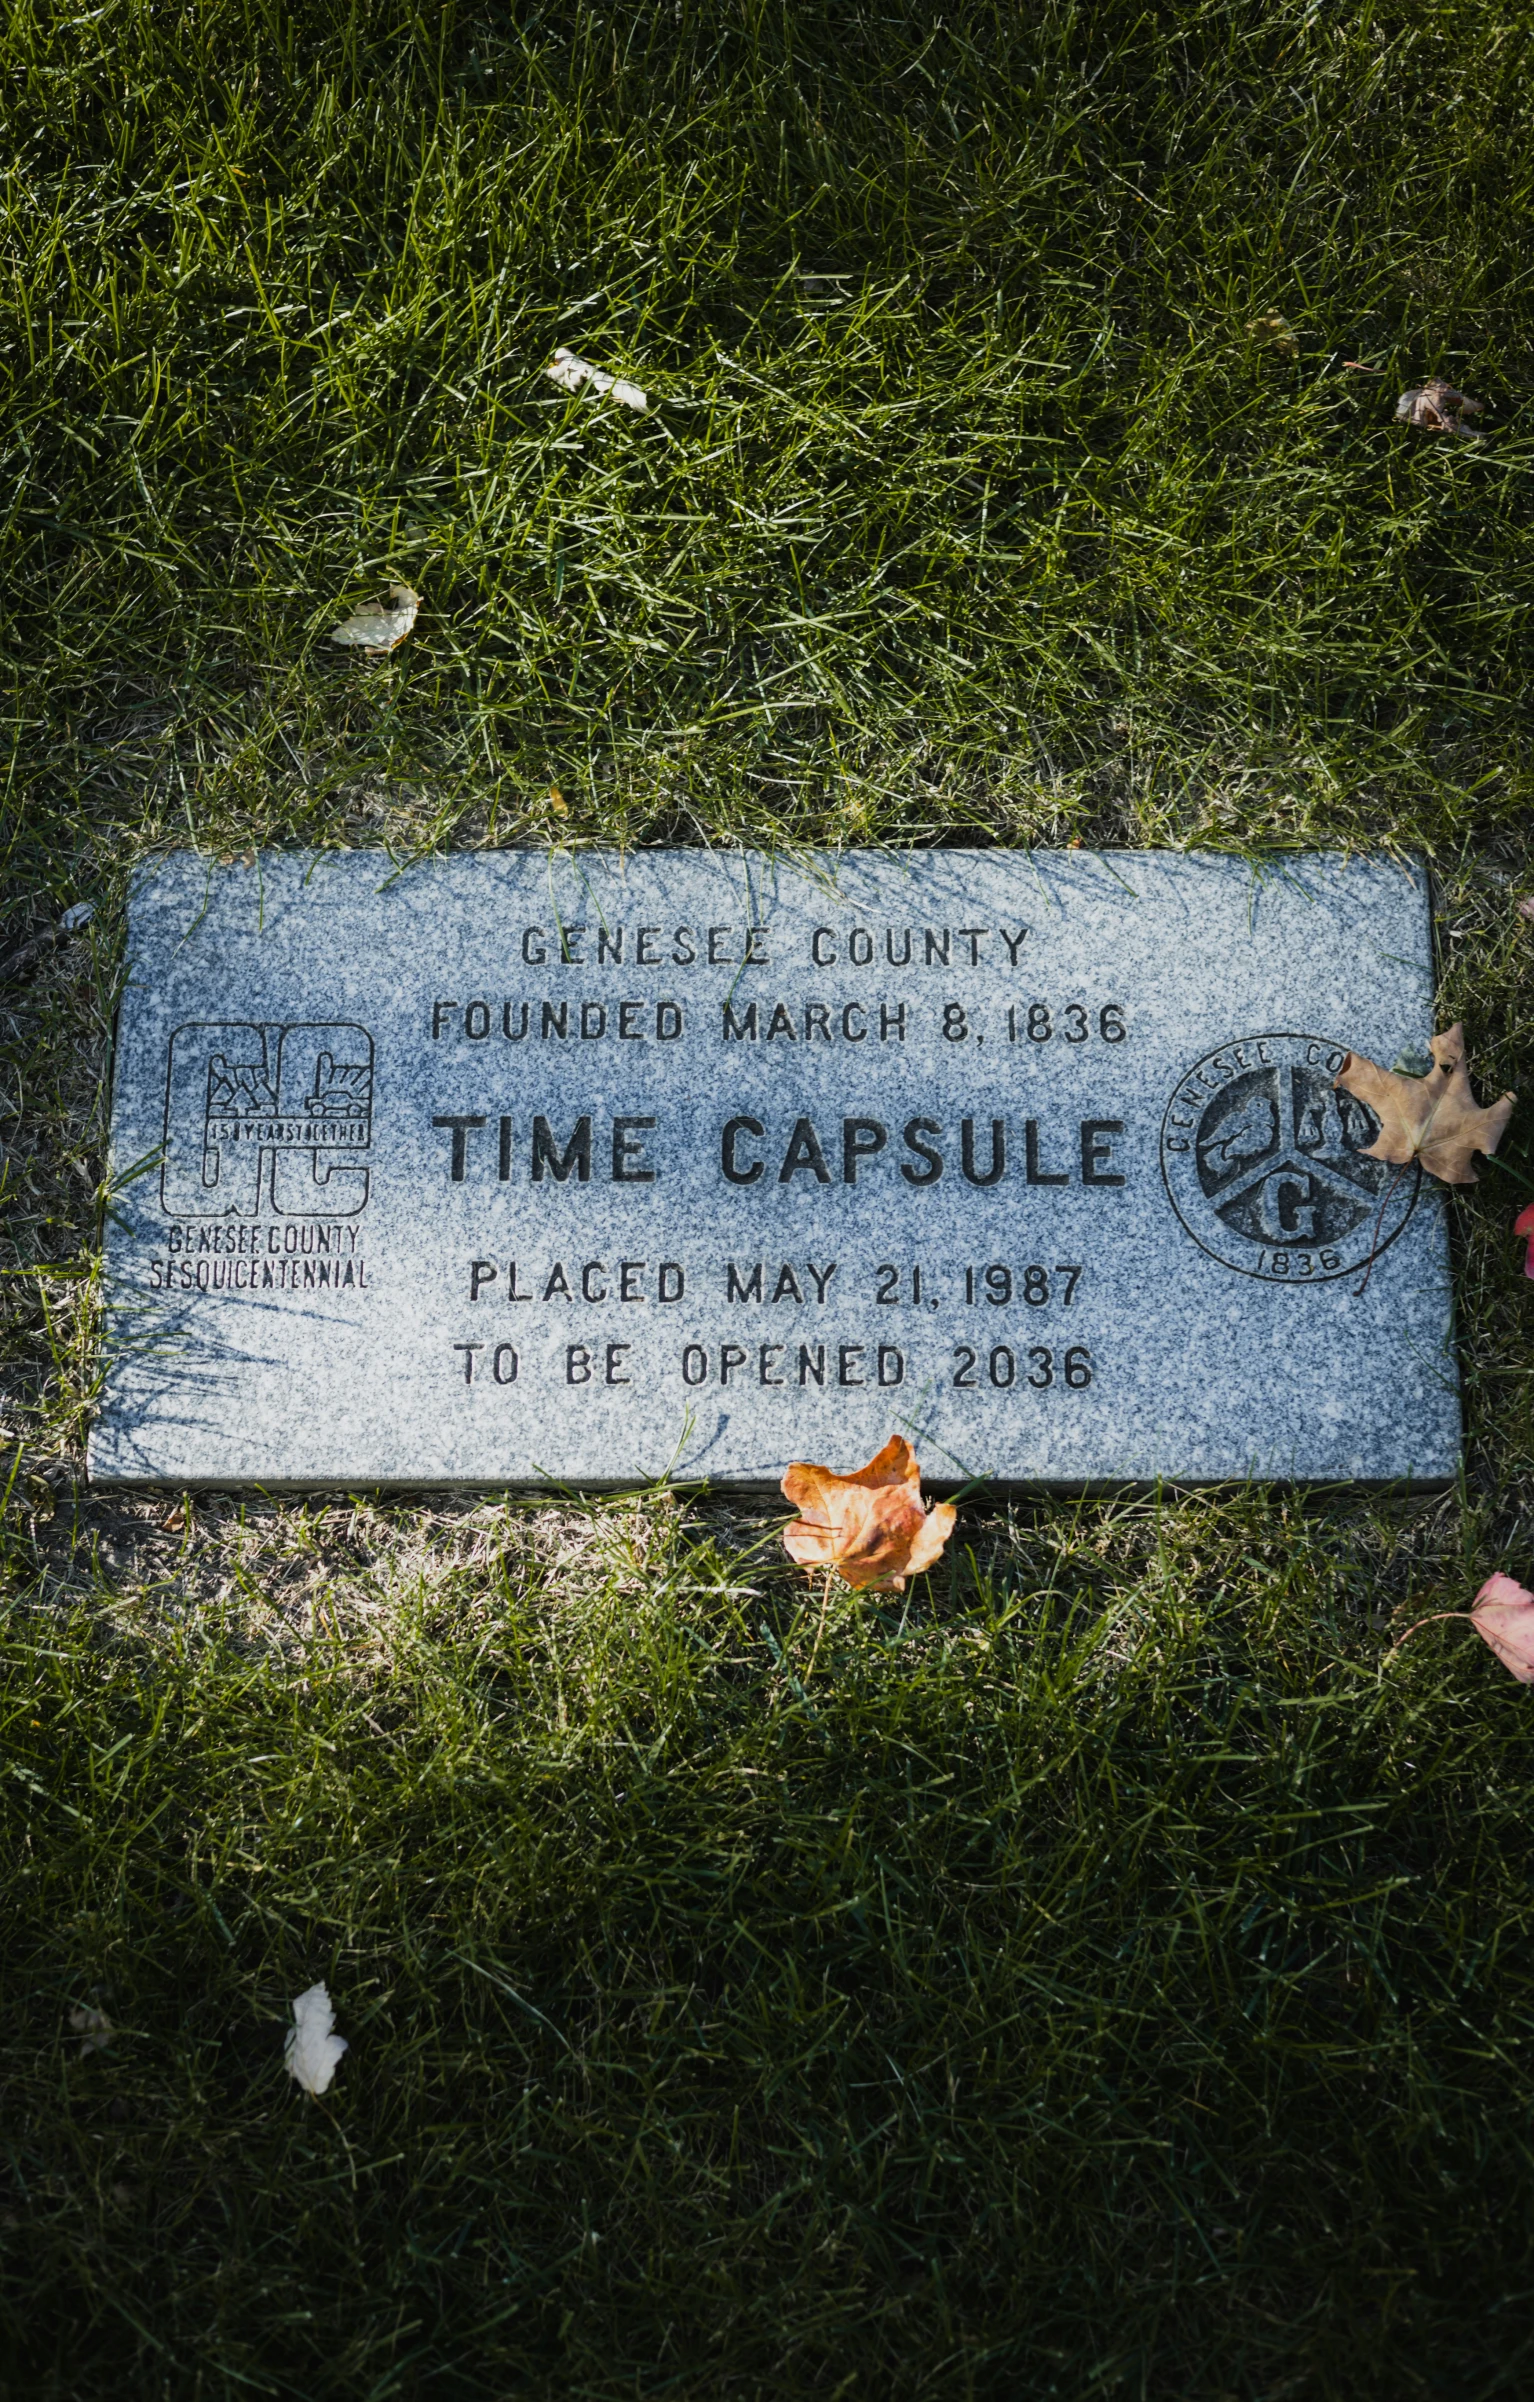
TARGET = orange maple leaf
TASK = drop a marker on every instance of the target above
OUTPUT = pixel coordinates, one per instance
(1434, 1119)
(871, 1526)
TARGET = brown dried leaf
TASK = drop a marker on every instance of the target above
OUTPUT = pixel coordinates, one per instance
(871, 1526)
(1438, 408)
(1434, 1119)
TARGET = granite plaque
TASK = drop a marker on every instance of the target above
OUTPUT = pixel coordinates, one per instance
(509, 1168)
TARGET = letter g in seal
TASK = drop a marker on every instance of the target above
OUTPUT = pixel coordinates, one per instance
(1264, 1162)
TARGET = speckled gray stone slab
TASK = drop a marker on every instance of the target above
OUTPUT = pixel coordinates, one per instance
(509, 1169)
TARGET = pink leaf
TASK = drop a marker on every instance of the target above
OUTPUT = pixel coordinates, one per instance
(1524, 1224)
(1503, 1612)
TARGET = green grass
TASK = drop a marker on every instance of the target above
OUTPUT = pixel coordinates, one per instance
(1101, 1974)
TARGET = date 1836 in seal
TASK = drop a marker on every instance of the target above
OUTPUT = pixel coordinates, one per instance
(1263, 1162)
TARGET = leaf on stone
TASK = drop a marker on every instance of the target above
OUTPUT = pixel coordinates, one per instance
(1438, 409)
(871, 1527)
(1433, 1119)
(1410, 1061)
(570, 373)
(1524, 1224)
(1503, 1611)
(383, 629)
(312, 2049)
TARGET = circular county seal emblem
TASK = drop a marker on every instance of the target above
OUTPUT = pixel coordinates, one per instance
(1263, 1161)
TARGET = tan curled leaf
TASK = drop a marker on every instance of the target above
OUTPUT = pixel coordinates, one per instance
(1503, 1611)
(380, 629)
(1434, 1119)
(1438, 408)
(871, 1527)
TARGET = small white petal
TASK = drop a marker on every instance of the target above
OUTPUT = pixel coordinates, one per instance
(570, 372)
(312, 2051)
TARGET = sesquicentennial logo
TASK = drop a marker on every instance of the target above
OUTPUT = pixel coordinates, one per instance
(1264, 1162)
(268, 1118)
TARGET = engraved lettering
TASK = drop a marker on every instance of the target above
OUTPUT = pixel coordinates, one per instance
(576, 1155)
(1034, 1173)
(862, 1138)
(1097, 1151)
(804, 1151)
(998, 1161)
(628, 1154)
(914, 1138)
(729, 1159)
(462, 1128)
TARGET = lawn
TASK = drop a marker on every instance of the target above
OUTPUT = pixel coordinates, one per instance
(1104, 1971)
